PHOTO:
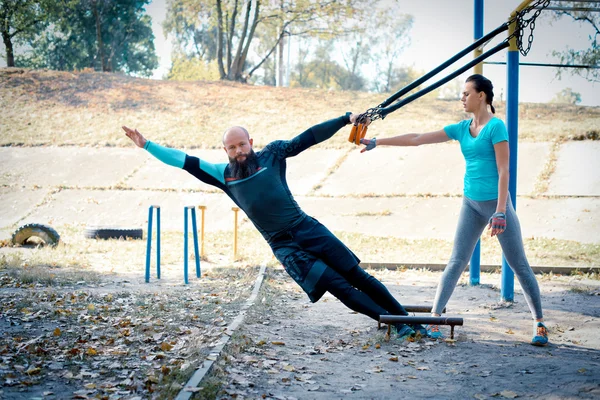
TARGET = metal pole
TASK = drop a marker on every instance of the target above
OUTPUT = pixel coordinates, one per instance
(478, 33)
(157, 241)
(185, 245)
(195, 230)
(149, 244)
(202, 231)
(475, 263)
(235, 233)
(512, 125)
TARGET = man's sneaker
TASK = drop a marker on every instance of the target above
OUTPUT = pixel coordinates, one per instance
(540, 337)
(419, 329)
(404, 331)
(434, 332)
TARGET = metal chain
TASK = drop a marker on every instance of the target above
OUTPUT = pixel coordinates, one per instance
(524, 23)
(372, 114)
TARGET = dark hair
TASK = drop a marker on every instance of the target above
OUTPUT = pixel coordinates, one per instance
(483, 84)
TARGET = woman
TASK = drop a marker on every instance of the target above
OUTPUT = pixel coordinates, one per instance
(484, 144)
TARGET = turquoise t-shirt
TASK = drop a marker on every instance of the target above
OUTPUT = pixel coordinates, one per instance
(481, 175)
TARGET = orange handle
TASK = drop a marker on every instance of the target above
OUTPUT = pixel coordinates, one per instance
(353, 134)
(362, 130)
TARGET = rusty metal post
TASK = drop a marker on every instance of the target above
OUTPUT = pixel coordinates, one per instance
(202, 208)
(235, 233)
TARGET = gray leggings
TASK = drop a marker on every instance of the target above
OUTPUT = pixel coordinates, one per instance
(474, 217)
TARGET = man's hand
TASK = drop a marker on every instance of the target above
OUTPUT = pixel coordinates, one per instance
(497, 223)
(354, 119)
(135, 136)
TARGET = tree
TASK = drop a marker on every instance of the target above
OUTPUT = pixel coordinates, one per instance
(591, 56)
(567, 96)
(232, 28)
(100, 34)
(193, 69)
(19, 18)
(388, 37)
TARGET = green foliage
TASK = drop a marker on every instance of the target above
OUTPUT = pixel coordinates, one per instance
(567, 96)
(185, 69)
(98, 34)
(590, 56)
(20, 19)
(242, 36)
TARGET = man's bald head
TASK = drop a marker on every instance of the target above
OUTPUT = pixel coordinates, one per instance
(235, 133)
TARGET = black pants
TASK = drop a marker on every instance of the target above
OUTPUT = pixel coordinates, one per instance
(361, 292)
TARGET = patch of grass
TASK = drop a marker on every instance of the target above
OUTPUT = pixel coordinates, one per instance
(382, 213)
(331, 170)
(543, 180)
(582, 290)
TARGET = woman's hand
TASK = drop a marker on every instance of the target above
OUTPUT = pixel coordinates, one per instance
(369, 143)
(497, 223)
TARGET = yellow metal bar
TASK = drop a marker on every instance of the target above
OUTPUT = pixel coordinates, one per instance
(235, 233)
(513, 25)
(478, 69)
(202, 230)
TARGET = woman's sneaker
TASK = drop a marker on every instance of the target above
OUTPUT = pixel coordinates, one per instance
(404, 331)
(433, 332)
(419, 330)
(540, 336)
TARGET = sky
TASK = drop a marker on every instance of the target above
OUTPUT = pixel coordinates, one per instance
(442, 28)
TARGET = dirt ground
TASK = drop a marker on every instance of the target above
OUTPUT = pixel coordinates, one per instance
(292, 349)
(120, 338)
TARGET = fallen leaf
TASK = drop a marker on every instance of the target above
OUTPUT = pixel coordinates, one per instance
(91, 351)
(278, 343)
(56, 332)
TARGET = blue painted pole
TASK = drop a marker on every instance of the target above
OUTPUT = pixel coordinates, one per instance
(196, 251)
(512, 125)
(158, 242)
(185, 245)
(149, 244)
(475, 263)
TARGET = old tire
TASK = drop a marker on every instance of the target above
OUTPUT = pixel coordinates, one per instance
(39, 232)
(92, 232)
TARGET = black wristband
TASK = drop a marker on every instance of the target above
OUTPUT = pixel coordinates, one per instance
(346, 117)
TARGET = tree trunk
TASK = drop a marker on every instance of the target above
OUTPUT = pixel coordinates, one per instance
(99, 36)
(230, 38)
(220, 40)
(234, 70)
(10, 56)
(242, 61)
(279, 63)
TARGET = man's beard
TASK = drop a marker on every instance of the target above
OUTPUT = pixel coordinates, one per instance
(243, 169)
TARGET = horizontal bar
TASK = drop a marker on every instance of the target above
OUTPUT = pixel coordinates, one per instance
(420, 320)
(419, 308)
(587, 9)
(537, 269)
(546, 65)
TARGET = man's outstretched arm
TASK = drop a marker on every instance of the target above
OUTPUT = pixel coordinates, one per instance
(313, 135)
(173, 157)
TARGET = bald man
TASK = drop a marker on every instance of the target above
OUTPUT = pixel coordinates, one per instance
(317, 260)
